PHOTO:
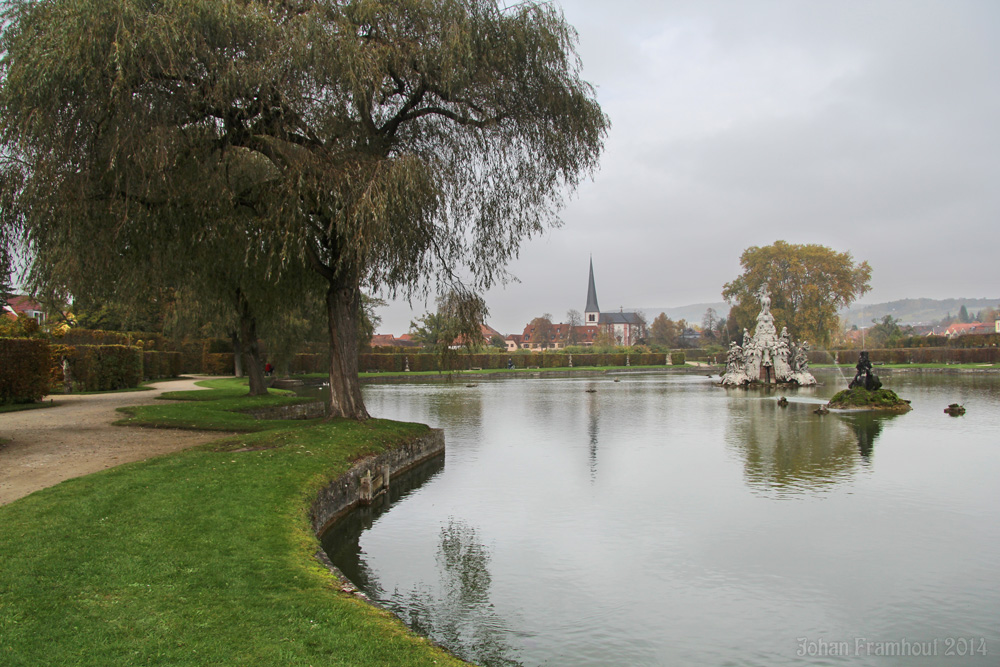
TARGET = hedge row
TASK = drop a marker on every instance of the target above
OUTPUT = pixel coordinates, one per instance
(156, 364)
(968, 340)
(105, 367)
(912, 355)
(24, 370)
(422, 361)
(386, 363)
(217, 363)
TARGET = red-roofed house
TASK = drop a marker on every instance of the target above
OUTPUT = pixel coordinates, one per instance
(966, 328)
(25, 305)
(487, 332)
(558, 335)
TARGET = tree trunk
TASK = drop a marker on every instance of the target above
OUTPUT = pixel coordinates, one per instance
(343, 303)
(237, 354)
(251, 348)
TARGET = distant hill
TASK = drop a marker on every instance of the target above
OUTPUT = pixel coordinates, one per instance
(914, 311)
(692, 313)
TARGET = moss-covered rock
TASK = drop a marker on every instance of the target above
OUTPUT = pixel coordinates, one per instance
(860, 398)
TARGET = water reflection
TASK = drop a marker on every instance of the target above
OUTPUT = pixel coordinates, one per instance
(792, 451)
(341, 541)
(459, 614)
(593, 430)
(866, 426)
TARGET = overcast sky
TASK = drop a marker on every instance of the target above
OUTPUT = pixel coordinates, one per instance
(867, 126)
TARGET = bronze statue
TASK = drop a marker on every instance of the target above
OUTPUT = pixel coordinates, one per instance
(865, 377)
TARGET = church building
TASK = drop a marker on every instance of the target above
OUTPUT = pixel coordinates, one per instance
(624, 328)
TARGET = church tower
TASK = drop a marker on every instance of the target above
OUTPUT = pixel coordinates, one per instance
(592, 314)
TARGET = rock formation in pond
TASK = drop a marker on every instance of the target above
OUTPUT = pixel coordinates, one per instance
(767, 357)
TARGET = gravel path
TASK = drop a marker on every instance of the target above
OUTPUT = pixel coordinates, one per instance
(74, 438)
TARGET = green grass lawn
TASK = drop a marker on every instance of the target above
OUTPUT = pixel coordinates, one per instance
(204, 557)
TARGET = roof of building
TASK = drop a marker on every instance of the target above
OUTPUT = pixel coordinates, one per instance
(592, 306)
(960, 328)
(22, 302)
(379, 340)
(558, 332)
(620, 318)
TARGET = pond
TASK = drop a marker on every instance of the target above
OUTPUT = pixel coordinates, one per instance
(652, 519)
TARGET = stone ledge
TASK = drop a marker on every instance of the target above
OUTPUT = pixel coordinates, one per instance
(369, 477)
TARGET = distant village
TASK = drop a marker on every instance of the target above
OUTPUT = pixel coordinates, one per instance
(620, 328)
(631, 328)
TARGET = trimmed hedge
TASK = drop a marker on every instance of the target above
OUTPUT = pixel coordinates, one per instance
(218, 363)
(397, 362)
(106, 367)
(24, 370)
(157, 364)
(912, 355)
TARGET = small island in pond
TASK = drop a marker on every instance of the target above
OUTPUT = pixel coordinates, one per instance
(867, 393)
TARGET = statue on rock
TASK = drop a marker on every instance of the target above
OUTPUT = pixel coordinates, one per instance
(767, 357)
(865, 377)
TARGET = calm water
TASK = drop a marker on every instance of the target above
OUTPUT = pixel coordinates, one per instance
(663, 520)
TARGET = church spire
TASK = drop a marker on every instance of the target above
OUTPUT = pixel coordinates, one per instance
(592, 313)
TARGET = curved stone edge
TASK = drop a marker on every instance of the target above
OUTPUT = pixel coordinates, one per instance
(369, 477)
(366, 479)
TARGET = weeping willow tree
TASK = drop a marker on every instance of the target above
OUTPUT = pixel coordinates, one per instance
(379, 144)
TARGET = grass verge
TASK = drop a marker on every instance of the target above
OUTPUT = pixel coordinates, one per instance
(222, 408)
(204, 557)
(18, 407)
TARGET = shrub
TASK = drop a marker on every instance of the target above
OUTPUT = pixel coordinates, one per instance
(677, 359)
(24, 370)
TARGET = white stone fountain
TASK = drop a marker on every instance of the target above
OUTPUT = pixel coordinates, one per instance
(767, 357)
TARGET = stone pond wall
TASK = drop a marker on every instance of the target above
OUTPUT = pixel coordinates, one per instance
(370, 476)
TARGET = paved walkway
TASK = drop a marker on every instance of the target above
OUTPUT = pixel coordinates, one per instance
(75, 437)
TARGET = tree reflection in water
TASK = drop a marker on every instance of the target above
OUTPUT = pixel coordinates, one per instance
(867, 426)
(459, 615)
(790, 451)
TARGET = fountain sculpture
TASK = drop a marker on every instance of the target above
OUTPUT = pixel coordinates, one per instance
(767, 357)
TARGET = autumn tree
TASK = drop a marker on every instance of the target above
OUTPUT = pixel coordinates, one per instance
(380, 142)
(573, 320)
(663, 331)
(541, 331)
(808, 284)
